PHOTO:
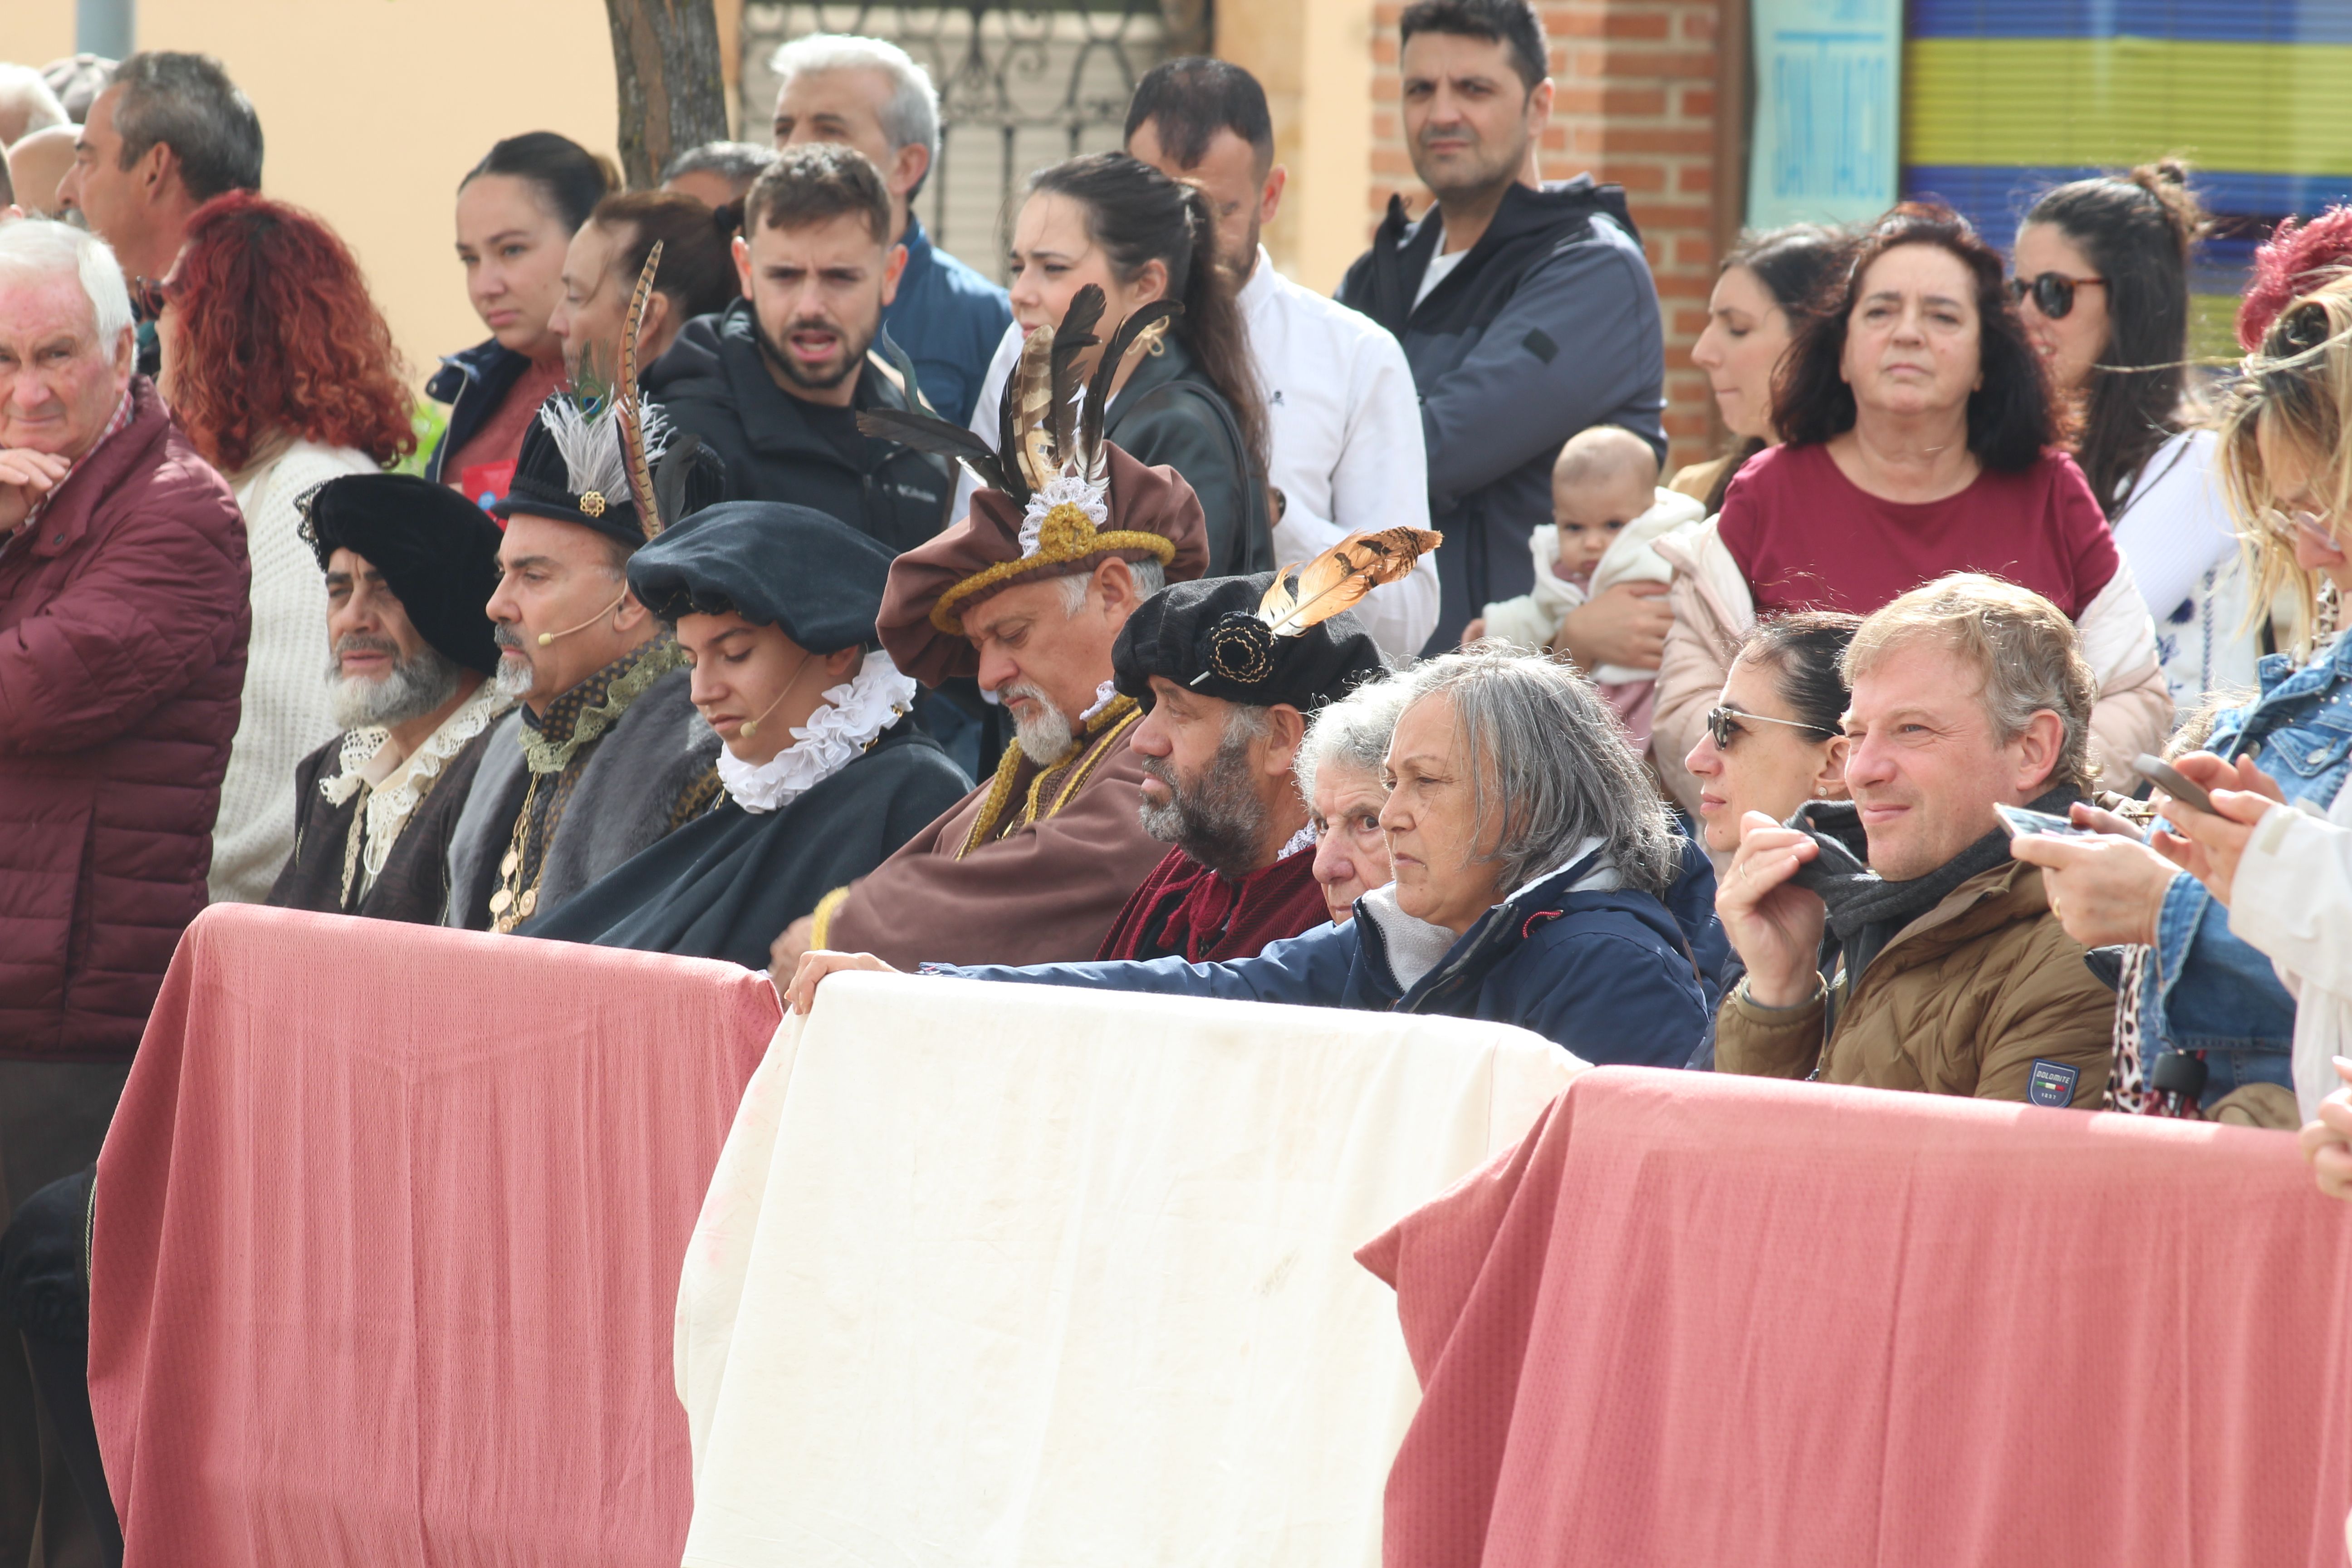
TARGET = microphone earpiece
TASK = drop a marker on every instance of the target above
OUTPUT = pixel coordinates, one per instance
(547, 639)
(751, 729)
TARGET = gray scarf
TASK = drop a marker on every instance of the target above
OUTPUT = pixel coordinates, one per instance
(1866, 910)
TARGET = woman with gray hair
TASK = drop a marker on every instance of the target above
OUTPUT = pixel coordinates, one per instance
(1539, 881)
(1339, 768)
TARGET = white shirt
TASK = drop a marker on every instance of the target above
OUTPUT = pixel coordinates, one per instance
(2176, 531)
(1440, 265)
(1344, 423)
(2292, 902)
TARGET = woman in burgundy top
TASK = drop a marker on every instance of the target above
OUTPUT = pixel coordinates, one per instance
(1919, 439)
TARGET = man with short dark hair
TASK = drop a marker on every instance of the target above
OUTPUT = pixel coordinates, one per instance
(1526, 306)
(169, 134)
(1343, 421)
(867, 93)
(718, 173)
(775, 383)
(1949, 973)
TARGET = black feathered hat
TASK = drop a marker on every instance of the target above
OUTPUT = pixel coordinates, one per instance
(1208, 637)
(436, 551)
(574, 467)
(790, 566)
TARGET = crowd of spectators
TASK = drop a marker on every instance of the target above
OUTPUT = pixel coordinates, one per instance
(855, 632)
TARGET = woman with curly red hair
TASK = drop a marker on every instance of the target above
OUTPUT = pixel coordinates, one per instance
(282, 371)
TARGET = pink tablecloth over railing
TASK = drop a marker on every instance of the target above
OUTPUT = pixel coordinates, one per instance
(1715, 1320)
(389, 1228)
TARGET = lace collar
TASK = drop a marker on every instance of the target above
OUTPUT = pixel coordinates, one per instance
(396, 789)
(589, 708)
(854, 716)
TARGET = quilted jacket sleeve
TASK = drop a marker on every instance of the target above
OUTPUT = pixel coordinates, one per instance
(162, 598)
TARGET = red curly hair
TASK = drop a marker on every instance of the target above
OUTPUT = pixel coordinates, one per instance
(2297, 260)
(274, 332)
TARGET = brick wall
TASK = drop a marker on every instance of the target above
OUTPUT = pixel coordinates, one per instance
(1634, 102)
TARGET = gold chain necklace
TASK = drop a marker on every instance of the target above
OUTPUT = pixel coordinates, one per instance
(513, 904)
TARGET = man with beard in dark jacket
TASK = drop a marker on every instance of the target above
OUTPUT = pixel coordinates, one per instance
(775, 383)
(1525, 307)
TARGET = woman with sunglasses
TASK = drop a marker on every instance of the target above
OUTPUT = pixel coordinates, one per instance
(2102, 285)
(2204, 995)
(1917, 435)
(1773, 739)
(282, 371)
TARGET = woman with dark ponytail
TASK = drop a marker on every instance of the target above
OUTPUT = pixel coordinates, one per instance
(1191, 401)
(517, 212)
(2101, 284)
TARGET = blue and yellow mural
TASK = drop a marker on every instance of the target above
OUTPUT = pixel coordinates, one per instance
(2002, 99)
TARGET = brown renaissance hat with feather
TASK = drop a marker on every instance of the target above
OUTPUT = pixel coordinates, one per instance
(1060, 500)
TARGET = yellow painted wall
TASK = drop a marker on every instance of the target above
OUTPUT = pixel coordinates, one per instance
(374, 110)
(1314, 59)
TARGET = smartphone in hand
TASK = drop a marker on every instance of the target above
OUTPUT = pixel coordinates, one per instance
(2173, 782)
(2021, 823)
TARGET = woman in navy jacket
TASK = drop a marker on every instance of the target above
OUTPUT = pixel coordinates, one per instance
(1538, 882)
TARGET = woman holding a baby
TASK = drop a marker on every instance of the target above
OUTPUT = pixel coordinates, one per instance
(1918, 436)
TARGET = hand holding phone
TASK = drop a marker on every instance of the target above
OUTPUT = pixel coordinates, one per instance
(2019, 823)
(2173, 782)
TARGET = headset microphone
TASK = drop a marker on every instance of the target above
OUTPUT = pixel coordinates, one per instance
(547, 639)
(750, 728)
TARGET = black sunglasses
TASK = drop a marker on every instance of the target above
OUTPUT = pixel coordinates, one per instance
(1723, 726)
(2053, 292)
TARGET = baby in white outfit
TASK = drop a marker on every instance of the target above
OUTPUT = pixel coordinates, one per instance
(1607, 513)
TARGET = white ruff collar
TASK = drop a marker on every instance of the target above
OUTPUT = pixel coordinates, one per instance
(854, 713)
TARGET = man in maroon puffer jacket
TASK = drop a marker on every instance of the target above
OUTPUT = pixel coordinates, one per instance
(124, 613)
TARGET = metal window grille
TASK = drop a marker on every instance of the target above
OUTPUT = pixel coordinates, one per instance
(1020, 86)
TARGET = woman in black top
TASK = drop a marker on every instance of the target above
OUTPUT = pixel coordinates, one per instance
(1191, 401)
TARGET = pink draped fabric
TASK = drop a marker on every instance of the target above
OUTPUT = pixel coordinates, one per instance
(1695, 1320)
(388, 1237)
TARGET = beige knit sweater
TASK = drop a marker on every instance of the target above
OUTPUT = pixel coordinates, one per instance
(285, 712)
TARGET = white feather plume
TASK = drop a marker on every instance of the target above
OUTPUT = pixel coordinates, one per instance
(590, 441)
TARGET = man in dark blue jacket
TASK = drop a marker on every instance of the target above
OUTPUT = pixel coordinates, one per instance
(1525, 307)
(1539, 881)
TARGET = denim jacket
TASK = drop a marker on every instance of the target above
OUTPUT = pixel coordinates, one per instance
(2214, 993)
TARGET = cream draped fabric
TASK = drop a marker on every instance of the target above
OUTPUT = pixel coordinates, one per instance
(1026, 1275)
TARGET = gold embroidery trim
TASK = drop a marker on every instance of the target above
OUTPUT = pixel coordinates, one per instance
(1068, 545)
(1110, 724)
(820, 918)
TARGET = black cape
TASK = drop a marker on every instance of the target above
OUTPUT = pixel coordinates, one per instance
(727, 884)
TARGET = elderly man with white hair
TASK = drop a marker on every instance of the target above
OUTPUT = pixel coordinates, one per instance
(867, 94)
(123, 615)
(124, 612)
(1538, 880)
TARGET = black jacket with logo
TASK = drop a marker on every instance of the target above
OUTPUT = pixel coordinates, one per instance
(1549, 324)
(714, 383)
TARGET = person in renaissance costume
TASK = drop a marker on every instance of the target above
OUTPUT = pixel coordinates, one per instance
(408, 565)
(824, 771)
(1225, 712)
(1064, 539)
